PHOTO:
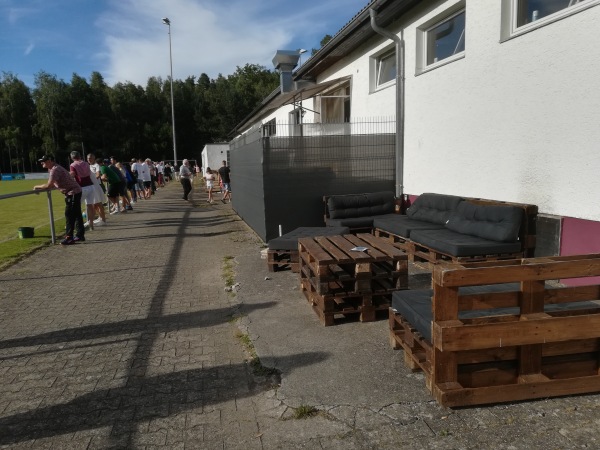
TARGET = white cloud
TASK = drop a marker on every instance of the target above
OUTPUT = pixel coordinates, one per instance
(208, 36)
(29, 49)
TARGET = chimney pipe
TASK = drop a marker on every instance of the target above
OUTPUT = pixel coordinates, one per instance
(285, 61)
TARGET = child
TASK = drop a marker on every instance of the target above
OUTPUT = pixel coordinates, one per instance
(210, 178)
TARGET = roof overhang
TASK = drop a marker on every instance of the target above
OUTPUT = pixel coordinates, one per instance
(273, 102)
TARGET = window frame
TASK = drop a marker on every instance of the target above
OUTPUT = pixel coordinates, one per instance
(344, 103)
(510, 12)
(423, 39)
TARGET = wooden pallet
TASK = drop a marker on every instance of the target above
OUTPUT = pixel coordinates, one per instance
(282, 259)
(535, 353)
(364, 307)
(337, 280)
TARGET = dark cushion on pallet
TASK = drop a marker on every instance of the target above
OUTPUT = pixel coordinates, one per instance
(434, 208)
(361, 205)
(496, 223)
(415, 305)
(289, 241)
(402, 225)
(352, 222)
(457, 244)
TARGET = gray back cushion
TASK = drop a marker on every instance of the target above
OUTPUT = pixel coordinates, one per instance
(497, 223)
(434, 208)
(360, 205)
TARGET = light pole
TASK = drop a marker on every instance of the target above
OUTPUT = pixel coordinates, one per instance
(167, 22)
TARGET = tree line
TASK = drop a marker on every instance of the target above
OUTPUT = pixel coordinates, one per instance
(124, 120)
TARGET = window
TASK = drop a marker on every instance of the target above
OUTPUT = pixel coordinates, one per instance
(446, 39)
(335, 105)
(521, 16)
(386, 69)
(269, 128)
(441, 40)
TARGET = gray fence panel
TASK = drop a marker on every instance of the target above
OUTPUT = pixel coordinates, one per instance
(298, 171)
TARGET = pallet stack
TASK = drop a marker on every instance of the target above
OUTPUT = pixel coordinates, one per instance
(340, 280)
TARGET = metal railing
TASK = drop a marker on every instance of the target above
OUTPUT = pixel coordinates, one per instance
(50, 211)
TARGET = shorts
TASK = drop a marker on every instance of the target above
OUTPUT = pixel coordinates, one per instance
(147, 184)
(114, 189)
(88, 194)
(226, 186)
(209, 184)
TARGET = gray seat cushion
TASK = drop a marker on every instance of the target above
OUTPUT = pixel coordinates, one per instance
(415, 306)
(434, 208)
(457, 244)
(289, 241)
(361, 205)
(402, 225)
(496, 223)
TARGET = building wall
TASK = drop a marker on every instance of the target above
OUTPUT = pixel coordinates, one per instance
(213, 156)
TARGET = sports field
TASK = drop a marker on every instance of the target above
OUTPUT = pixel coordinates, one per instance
(27, 211)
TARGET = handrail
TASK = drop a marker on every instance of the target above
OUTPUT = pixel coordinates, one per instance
(50, 212)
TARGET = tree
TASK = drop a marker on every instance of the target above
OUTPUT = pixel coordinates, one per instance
(16, 118)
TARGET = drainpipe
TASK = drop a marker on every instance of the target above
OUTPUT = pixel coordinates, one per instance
(399, 101)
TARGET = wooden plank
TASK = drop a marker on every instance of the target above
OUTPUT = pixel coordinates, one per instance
(372, 251)
(529, 271)
(532, 302)
(310, 246)
(384, 246)
(450, 337)
(516, 392)
(346, 247)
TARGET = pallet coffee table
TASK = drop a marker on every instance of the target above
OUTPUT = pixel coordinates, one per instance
(283, 250)
(350, 275)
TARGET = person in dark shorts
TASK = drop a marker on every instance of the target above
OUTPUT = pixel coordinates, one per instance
(224, 173)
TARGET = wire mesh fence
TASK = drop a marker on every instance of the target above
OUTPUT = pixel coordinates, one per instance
(280, 179)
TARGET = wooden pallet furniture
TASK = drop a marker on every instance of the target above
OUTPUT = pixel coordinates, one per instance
(339, 281)
(283, 250)
(467, 233)
(503, 331)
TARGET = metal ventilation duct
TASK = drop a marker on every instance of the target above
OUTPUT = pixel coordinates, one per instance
(285, 61)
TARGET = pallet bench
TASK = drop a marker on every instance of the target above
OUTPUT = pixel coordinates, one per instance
(339, 281)
(503, 331)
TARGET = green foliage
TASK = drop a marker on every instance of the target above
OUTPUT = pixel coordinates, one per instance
(125, 120)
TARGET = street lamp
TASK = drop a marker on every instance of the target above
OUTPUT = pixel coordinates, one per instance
(167, 22)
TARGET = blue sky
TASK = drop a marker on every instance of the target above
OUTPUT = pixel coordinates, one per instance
(125, 40)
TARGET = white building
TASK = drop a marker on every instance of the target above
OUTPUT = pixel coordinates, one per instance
(501, 100)
(213, 156)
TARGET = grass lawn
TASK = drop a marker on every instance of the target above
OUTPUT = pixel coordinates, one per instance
(27, 211)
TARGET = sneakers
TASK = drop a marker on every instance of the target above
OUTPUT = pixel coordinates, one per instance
(87, 224)
(128, 208)
(99, 223)
(67, 241)
(78, 239)
(114, 211)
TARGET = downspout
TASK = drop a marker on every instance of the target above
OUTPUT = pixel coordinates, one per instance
(400, 94)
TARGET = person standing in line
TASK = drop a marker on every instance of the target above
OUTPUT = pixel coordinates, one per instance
(210, 179)
(99, 187)
(113, 179)
(224, 173)
(185, 175)
(62, 180)
(81, 172)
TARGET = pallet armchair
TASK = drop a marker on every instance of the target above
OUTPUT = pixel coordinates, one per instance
(503, 331)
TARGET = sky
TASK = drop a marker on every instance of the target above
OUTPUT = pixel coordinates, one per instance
(126, 40)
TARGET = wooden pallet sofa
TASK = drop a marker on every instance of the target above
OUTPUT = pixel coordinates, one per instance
(503, 331)
(438, 227)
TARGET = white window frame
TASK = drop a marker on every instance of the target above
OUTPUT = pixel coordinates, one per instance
(340, 95)
(423, 39)
(376, 66)
(510, 8)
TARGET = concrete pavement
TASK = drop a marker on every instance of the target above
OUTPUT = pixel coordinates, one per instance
(130, 340)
